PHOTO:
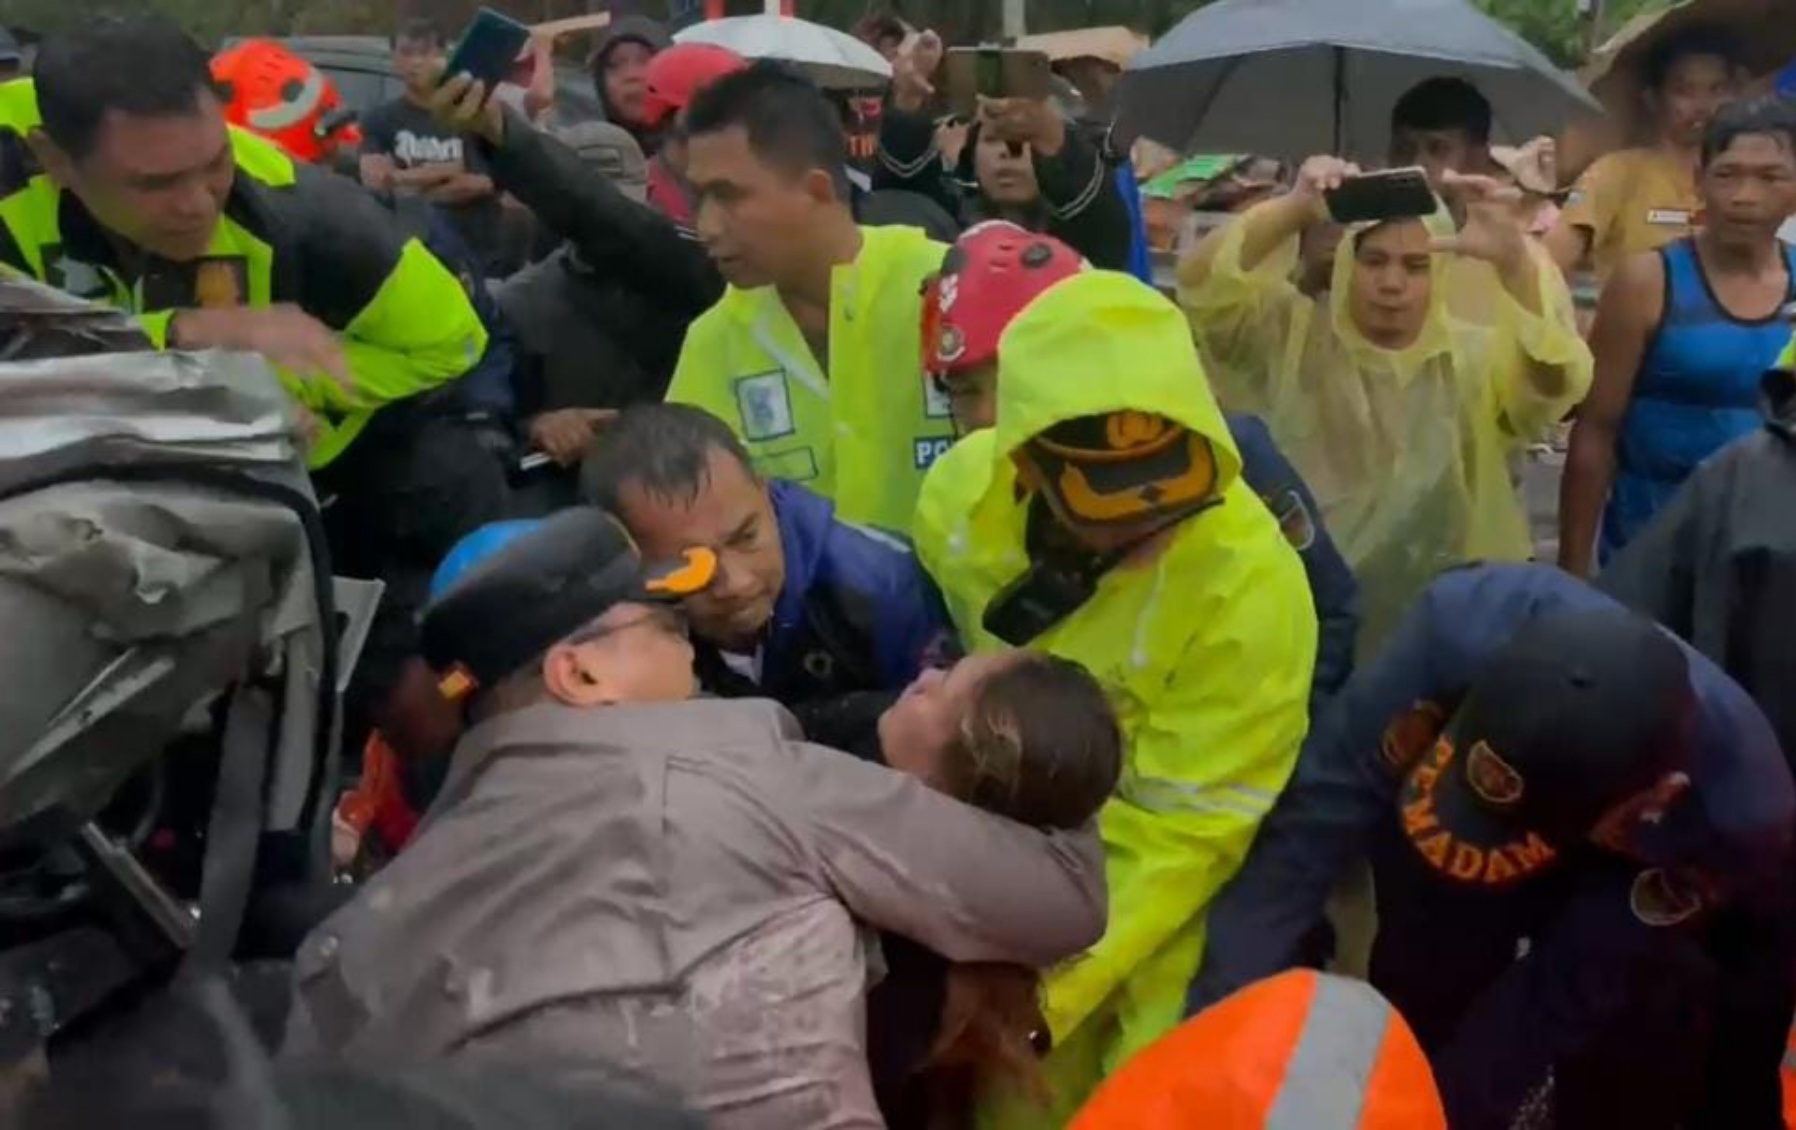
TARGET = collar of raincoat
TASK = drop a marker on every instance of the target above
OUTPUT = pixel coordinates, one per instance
(1099, 342)
(1437, 335)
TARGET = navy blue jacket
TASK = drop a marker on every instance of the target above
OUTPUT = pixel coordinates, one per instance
(1336, 594)
(856, 621)
(1495, 1025)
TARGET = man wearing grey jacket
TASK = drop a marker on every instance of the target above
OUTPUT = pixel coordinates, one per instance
(616, 875)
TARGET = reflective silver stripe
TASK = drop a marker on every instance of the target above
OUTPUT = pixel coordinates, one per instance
(291, 113)
(1165, 795)
(1325, 1081)
(1790, 1059)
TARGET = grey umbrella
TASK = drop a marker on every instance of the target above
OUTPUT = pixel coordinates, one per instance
(1294, 77)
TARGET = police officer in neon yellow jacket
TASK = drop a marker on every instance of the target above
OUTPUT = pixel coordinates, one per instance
(127, 187)
(1104, 519)
(812, 354)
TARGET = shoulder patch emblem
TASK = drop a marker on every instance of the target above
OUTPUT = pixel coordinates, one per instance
(1411, 734)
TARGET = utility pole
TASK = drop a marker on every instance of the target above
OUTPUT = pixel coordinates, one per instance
(1591, 13)
(1014, 20)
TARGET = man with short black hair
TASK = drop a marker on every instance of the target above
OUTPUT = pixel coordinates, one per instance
(1682, 336)
(141, 196)
(812, 354)
(830, 620)
(1442, 124)
(406, 153)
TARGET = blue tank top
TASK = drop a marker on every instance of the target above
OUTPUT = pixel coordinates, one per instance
(1696, 392)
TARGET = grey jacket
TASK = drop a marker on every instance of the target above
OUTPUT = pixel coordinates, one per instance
(1718, 564)
(679, 890)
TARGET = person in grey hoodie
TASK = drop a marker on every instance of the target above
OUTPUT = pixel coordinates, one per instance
(1718, 564)
(615, 872)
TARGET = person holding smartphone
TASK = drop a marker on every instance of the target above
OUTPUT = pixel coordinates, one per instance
(1021, 160)
(1400, 416)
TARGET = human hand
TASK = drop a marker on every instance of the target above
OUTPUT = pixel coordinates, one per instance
(1023, 121)
(1317, 178)
(563, 435)
(913, 71)
(285, 335)
(951, 141)
(462, 103)
(1494, 229)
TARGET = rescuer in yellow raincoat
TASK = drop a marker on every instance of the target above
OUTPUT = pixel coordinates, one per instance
(1402, 418)
(1104, 520)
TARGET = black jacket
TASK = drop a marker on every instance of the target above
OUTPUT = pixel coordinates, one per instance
(1080, 203)
(607, 312)
(1718, 564)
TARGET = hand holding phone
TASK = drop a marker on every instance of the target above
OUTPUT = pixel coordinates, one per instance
(489, 49)
(1391, 194)
(973, 73)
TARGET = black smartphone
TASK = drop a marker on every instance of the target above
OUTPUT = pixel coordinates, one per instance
(972, 73)
(1392, 194)
(489, 49)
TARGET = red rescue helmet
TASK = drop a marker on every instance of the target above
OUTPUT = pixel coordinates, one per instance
(990, 274)
(680, 72)
(275, 94)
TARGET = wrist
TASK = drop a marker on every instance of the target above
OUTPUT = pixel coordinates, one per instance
(907, 101)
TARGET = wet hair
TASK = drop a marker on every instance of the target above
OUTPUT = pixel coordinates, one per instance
(141, 65)
(1694, 41)
(664, 449)
(420, 31)
(1040, 744)
(1770, 117)
(1443, 103)
(789, 123)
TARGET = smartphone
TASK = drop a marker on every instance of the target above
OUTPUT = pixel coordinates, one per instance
(972, 73)
(489, 49)
(1393, 194)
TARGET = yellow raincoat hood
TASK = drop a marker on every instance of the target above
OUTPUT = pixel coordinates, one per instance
(1436, 337)
(1103, 342)
(1205, 645)
(1408, 451)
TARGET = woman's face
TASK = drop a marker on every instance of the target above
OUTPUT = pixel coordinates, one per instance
(627, 81)
(1393, 283)
(916, 733)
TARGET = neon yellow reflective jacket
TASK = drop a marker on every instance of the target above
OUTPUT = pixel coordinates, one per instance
(289, 234)
(864, 431)
(1408, 451)
(1206, 649)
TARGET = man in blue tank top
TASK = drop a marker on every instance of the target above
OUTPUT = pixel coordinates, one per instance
(1682, 336)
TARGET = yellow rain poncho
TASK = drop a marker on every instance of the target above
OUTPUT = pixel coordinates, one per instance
(1205, 646)
(1407, 451)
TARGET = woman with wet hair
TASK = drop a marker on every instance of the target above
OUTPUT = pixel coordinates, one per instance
(1024, 735)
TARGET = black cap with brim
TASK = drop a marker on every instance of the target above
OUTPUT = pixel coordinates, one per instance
(1124, 467)
(541, 588)
(1576, 713)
